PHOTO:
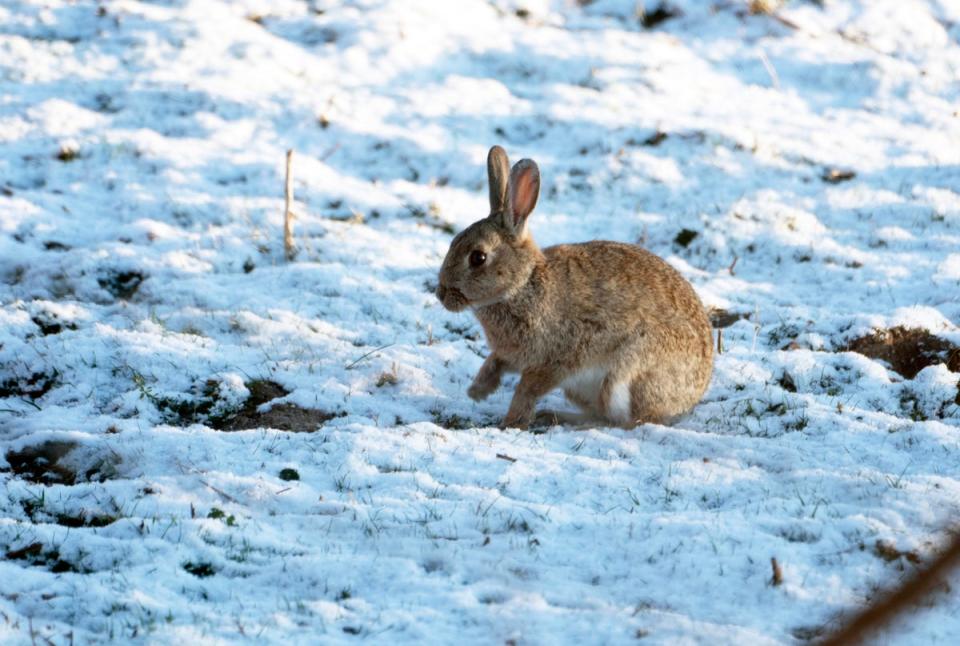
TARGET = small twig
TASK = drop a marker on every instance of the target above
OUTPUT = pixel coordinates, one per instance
(857, 39)
(284, 490)
(504, 456)
(777, 578)
(786, 22)
(332, 150)
(288, 247)
(772, 72)
(719, 340)
(223, 493)
(364, 356)
(733, 264)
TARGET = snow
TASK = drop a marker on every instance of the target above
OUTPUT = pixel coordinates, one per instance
(142, 150)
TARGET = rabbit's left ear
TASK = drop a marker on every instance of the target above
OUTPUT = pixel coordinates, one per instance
(498, 167)
(522, 192)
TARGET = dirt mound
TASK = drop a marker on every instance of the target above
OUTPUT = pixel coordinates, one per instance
(62, 462)
(42, 463)
(284, 417)
(907, 351)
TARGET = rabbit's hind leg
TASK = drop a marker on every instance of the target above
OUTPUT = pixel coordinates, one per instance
(652, 401)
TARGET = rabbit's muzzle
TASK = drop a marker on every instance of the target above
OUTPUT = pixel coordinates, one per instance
(452, 298)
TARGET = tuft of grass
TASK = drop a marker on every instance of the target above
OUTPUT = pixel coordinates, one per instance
(659, 14)
(787, 382)
(655, 139)
(450, 421)
(218, 514)
(200, 570)
(289, 474)
(388, 377)
(837, 175)
(431, 217)
(67, 153)
(685, 237)
(183, 411)
(121, 284)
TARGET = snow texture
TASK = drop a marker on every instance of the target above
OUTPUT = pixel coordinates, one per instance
(801, 169)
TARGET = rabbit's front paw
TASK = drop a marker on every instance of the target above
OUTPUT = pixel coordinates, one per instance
(521, 422)
(478, 390)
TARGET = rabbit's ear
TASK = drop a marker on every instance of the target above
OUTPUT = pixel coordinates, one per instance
(524, 188)
(498, 167)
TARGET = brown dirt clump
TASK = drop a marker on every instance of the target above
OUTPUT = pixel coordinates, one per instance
(41, 463)
(283, 417)
(62, 462)
(907, 350)
(889, 552)
(720, 318)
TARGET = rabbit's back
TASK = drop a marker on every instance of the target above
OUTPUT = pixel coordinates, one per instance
(624, 284)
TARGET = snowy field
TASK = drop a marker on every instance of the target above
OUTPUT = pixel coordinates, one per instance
(203, 443)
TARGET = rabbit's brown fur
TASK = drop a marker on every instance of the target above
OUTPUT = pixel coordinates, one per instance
(615, 326)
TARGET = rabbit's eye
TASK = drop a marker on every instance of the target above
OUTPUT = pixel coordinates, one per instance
(477, 258)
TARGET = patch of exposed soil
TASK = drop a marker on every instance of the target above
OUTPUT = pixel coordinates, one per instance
(121, 284)
(50, 324)
(283, 416)
(85, 520)
(685, 237)
(43, 463)
(659, 14)
(907, 351)
(33, 387)
(55, 462)
(837, 175)
(35, 554)
(889, 552)
(720, 318)
(199, 570)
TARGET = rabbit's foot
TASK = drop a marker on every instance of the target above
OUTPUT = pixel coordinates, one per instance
(480, 390)
(521, 422)
(487, 379)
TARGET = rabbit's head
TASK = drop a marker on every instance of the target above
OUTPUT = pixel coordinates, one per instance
(493, 257)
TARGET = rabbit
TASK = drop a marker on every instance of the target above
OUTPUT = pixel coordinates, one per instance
(617, 328)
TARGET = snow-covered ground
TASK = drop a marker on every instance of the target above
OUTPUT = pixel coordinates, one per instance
(802, 170)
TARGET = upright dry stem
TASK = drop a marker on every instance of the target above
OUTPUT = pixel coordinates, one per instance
(288, 248)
